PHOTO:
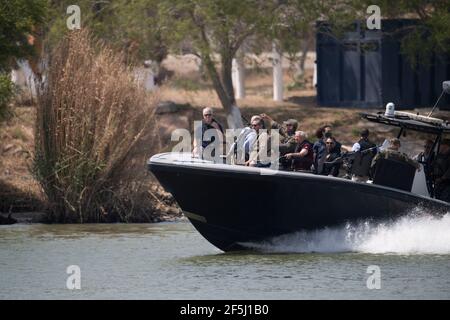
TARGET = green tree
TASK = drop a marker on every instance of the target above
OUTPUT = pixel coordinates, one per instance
(6, 93)
(430, 35)
(19, 19)
(214, 31)
(294, 29)
(432, 32)
(130, 26)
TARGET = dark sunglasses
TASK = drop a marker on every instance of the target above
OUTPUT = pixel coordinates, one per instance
(207, 115)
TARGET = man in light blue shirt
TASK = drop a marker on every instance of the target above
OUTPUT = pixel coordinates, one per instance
(250, 138)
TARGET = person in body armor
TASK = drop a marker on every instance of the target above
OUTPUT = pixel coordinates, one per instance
(319, 149)
(302, 157)
(327, 133)
(441, 172)
(208, 122)
(287, 130)
(331, 168)
(392, 152)
(287, 142)
(362, 162)
(363, 143)
(256, 143)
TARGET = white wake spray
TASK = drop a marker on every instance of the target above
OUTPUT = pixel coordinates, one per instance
(411, 234)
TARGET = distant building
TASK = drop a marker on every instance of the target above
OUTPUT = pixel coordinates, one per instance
(365, 68)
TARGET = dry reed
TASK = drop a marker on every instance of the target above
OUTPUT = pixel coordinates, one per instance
(90, 116)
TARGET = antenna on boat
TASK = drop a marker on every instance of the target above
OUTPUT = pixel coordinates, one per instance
(445, 89)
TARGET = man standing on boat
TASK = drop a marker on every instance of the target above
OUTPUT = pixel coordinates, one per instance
(287, 130)
(319, 150)
(287, 138)
(302, 157)
(208, 122)
(366, 151)
(256, 143)
(328, 133)
(330, 167)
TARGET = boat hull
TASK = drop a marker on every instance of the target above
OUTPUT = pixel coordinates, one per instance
(231, 205)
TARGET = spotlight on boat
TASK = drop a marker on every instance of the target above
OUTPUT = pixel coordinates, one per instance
(446, 86)
(390, 110)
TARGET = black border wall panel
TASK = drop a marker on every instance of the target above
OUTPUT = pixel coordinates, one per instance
(367, 69)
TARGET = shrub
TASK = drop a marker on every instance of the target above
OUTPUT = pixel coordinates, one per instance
(90, 116)
(6, 94)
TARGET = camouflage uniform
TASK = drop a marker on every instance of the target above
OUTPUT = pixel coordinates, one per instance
(284, 135)
(287, 141)
(394, 155)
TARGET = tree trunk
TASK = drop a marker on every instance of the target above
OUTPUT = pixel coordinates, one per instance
(227, 78)
(239, 77)
(277, 73)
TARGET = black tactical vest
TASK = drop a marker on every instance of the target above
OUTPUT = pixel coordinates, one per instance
(365, 144)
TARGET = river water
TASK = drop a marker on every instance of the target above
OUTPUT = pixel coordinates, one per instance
(404, 260)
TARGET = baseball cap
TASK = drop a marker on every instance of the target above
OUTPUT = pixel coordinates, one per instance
(291, 121)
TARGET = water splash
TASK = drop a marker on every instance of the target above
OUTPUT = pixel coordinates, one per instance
(415, 233)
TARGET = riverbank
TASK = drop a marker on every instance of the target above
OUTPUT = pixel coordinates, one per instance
(22, 195)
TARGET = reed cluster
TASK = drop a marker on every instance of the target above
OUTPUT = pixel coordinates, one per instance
(91, 115)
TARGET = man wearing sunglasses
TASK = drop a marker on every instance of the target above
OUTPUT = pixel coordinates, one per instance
(302, 157)
(254, 141)
(208, 122)
(330, 168)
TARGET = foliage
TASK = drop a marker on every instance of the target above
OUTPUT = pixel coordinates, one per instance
(214, 31)
(419, 41)
(19, 19)
(130, 26)
(430, 35)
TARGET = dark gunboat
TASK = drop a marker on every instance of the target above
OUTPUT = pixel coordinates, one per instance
(231, 204)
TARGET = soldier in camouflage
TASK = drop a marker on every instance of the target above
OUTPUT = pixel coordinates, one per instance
(392, 152)
(287, 132)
